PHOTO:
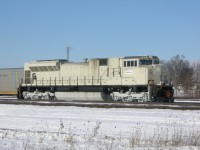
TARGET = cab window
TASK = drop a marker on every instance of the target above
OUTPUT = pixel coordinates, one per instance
(130, 63)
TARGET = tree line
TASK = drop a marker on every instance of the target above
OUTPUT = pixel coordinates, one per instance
(184, 75)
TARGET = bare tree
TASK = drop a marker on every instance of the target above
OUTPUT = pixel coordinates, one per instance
(180, 73)
(196, 78)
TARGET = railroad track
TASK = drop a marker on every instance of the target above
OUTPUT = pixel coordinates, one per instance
(95, 104)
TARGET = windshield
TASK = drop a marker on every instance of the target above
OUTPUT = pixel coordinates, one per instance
(156, 61)
(148, 61)
(145, 62)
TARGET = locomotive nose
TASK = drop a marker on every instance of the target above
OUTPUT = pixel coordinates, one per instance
(168, 94)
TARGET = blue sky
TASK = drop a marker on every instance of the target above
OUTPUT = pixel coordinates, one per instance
(41, 29)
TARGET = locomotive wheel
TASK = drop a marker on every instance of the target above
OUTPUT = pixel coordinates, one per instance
(126, 99)
(171, 100)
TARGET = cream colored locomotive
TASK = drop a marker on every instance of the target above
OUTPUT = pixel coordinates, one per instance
(125, 79)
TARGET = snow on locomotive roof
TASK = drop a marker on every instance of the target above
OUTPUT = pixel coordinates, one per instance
(130, 57)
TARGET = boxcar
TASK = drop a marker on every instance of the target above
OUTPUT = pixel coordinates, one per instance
(10, 79)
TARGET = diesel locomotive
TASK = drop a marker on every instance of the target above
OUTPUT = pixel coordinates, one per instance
(127, 79)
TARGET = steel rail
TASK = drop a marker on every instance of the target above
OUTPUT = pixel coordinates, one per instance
(93, 104)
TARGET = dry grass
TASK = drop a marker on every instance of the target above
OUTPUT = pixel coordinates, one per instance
(168, 136)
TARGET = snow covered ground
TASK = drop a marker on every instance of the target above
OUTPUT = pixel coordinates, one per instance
(62, 127)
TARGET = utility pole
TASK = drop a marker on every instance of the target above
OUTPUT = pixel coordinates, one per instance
(67, 49)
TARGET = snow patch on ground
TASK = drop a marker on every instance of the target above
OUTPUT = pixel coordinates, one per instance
(61, 127)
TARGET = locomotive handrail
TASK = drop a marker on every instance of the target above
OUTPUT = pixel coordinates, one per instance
(69, 81)
(76, 81)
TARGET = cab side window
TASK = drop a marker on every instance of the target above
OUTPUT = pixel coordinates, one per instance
(130, 63)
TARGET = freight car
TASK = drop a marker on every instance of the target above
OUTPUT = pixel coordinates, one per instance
(10, 79)
(127, 79)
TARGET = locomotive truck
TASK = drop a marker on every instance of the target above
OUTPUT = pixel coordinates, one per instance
(127, 79)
